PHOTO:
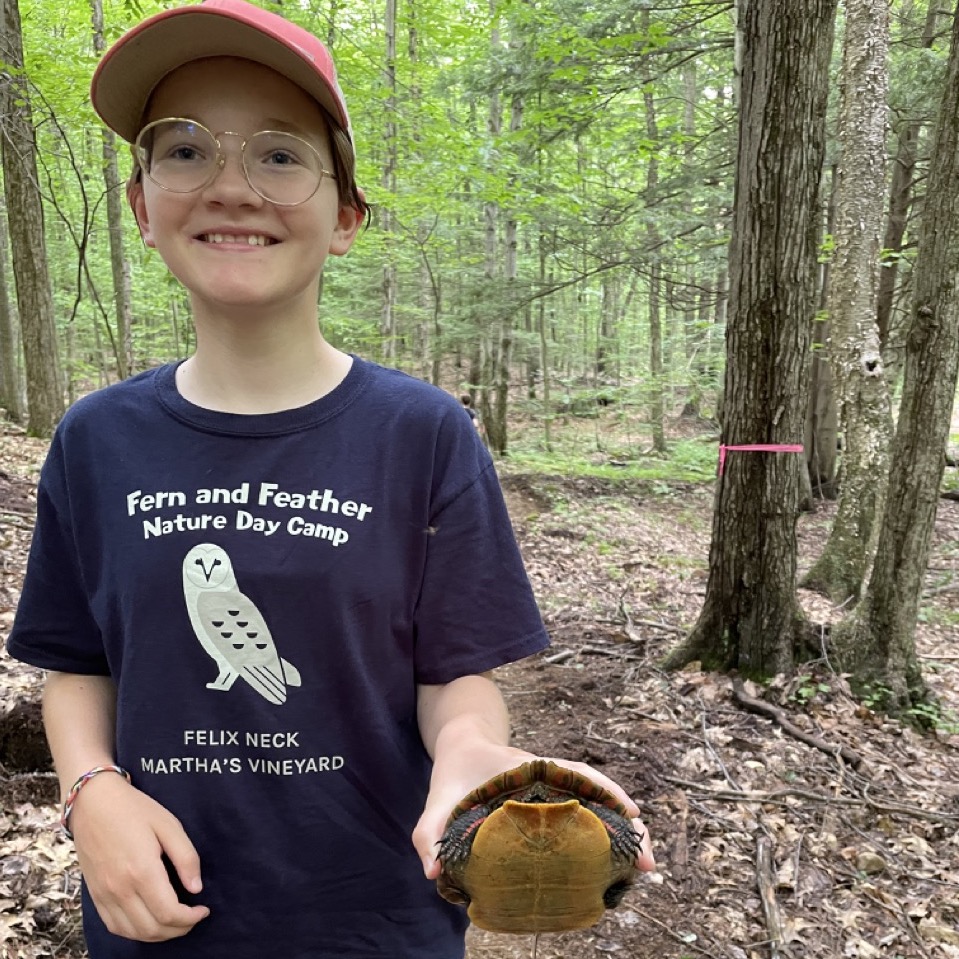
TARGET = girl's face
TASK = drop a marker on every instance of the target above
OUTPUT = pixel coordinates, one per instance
(233, 250)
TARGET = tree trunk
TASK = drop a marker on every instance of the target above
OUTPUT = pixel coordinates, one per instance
(332, 19)
(751, 619)
(900, 197)
(694, 330)
(119, 265)
(11, 387)
(27, 244)
(496, 311)
(657, 412)
(607, 328)
(878, 645)
(724, 215)
(544, 357)
(854, 351)
(490, 235)
(388, 287)
(822, 412)
(692, 347)
(718, 328)
(504, 325)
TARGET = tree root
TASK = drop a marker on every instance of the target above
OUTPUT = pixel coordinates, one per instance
(849, 756)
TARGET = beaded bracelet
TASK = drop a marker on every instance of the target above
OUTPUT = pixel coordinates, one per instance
(75, 791)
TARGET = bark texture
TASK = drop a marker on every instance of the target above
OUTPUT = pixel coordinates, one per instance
(27, 244)
(10, 386)
(751, 619)
(119, 264)
(822, 417)
(855, 352)
(878, 646)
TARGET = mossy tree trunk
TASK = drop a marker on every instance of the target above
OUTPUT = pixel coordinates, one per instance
(877, 646)
(751, 618)
(855, 354)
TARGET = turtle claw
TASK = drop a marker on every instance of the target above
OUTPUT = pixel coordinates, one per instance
(453, 849)
(624, 840)
(627, 844)
(457, 841)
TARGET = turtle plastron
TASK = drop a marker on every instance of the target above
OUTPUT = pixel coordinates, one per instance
(538, 849)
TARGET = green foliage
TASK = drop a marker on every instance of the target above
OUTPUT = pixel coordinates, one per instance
(926, 714)
(696, 457)
(827, 248)
(689, 462)
(916, 73)
(571, 173)
(808, 688)
(932, 716)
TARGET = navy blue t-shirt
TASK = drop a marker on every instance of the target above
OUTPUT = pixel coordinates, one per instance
(267, 591)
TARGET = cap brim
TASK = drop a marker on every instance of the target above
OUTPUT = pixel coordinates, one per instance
(133, 67)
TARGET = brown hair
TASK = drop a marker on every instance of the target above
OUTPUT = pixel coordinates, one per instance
(344, 166)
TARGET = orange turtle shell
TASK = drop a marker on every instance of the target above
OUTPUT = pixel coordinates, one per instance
(538, 848)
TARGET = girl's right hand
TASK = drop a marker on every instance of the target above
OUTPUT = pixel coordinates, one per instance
(121, 836)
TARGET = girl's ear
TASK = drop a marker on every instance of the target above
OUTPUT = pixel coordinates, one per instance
(137, 204)
(348, 223)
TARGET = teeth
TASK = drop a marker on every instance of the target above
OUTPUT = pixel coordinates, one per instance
(251, 240)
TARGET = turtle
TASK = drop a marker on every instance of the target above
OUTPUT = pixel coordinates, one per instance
(539, 848)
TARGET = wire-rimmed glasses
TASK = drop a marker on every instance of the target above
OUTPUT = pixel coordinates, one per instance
(182, 156)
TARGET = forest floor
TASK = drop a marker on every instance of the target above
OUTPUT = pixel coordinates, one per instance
(768, 847)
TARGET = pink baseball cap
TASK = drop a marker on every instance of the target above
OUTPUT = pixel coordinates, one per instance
(142, 57)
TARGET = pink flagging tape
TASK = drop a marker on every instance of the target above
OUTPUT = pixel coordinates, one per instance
(758, 448)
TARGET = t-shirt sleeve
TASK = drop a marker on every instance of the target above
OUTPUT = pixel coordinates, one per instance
(476, 609)
(54, 628)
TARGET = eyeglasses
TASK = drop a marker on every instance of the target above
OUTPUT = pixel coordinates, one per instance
(183, 156)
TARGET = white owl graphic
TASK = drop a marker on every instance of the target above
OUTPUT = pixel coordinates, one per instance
(230, 627)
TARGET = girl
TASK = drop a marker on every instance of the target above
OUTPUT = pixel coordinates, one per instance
(268, 582)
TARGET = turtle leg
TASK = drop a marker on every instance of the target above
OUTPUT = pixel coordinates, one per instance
(623, 838)
(458, 839)
(614, 895)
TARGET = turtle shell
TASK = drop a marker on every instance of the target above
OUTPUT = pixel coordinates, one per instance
(539, 848)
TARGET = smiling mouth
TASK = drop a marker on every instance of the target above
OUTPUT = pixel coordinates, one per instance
(252, 239)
